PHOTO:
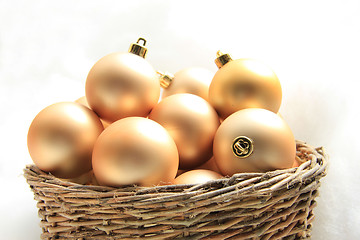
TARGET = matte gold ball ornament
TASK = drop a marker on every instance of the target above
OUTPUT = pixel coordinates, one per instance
(122, 85)
(197, 176)
(243, 83)
(253, 140)
(210, 165)
(84, 179)
(135, 150)
(82, 100)
(192, 123)
(61, 139)
(194, 80)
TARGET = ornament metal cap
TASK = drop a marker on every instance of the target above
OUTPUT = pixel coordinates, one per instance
(165, 79)
(222, 59)
(242, 146)
(138, 49)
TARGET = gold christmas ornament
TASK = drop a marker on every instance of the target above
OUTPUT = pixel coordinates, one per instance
(192, 123)
(83, 101)
(135, 150)
(121, 85)
(180, 171)
(197, 176)
(87, 178)
(243, 83)
(210, 165)
(61, 138)
(297, 162)
(194, 80)
(253, 140)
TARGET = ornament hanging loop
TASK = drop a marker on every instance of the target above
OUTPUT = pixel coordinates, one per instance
(138, 49)
(143, 40)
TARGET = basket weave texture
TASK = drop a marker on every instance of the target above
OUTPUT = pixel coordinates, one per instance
(273, 205)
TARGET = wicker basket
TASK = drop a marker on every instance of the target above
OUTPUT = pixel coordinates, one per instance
(272, 205)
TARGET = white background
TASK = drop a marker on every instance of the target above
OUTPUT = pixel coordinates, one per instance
(48, 47)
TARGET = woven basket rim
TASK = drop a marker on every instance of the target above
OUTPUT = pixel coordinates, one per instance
(317, 161)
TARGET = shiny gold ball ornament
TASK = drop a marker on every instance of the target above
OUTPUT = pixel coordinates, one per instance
(192, 123)
(135, 150)
(243, 83)
(121, 85)
(197, 176)
(253, 140)
(61, 139)
(194, 80)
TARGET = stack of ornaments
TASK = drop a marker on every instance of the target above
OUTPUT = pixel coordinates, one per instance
(138, 126)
